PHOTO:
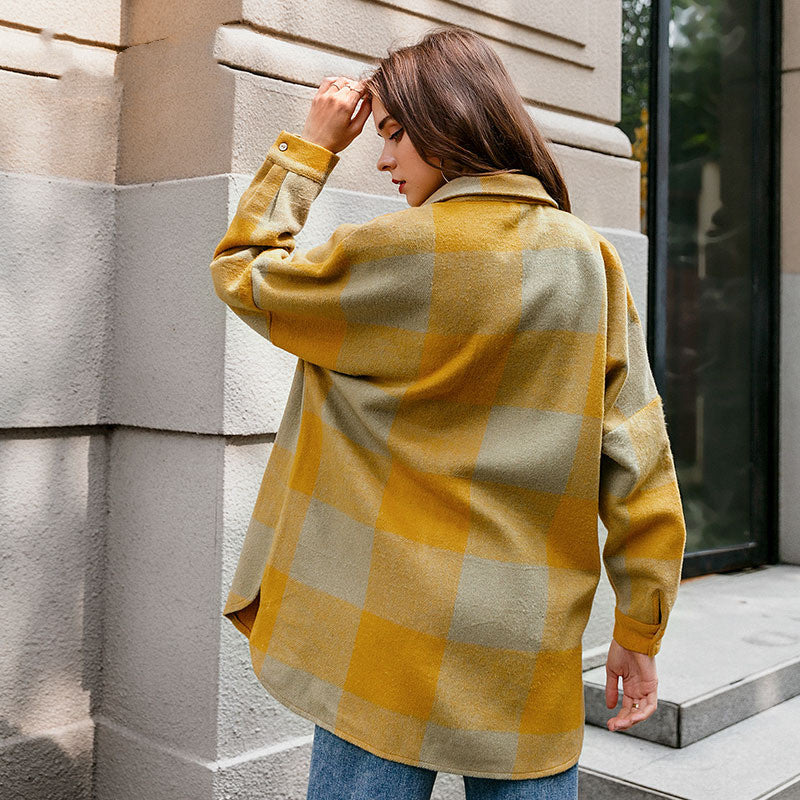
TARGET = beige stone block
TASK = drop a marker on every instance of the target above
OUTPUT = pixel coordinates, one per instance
(213, 100)
(42, 53)
(541, 21)
(63, 126)
(604, 190)
(177, 118)
(52, 515)
(98, 21)
(231, 90)
(249, 51)
(150, 20)
(242, 48)
(264, 107)
(790, 173)
(791, 34)
(579, 73)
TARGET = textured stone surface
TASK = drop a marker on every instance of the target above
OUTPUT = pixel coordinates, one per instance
(52, 516)
(97, 21)
(161, 593)
(169, 325)
(181, 127)
(132, 766)
(58, 245)
(150, 20)
(604, 190)
(756, 758)
(579, 72)
(61, 115)
(791, 35)
(789, 464)
(790, 172)
(265, 106)
(33, 51)
(240, 47)
(56, 764)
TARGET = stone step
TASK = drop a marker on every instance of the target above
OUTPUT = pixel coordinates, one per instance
(731, 650)
(756, 759)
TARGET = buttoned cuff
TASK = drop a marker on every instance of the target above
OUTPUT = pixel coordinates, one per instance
(303, 157)
(641, 637)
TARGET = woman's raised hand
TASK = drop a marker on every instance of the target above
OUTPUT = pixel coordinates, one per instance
(330, 122)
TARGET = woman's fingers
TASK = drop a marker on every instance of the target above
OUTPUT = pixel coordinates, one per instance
(612, 688)
(327, 82)
(629, 715)
(330, 121)
(338, 83)
(362, 115)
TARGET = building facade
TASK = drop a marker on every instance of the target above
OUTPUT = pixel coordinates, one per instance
(138, 413)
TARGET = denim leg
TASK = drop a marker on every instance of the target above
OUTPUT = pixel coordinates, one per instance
(561, 786)
(341, 770)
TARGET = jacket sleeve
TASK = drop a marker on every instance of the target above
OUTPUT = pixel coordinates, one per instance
(639, 502)
(289, 297)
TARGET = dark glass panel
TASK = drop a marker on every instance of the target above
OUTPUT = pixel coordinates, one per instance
(709, 260)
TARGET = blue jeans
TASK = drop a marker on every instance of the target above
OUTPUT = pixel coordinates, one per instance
(341, 770)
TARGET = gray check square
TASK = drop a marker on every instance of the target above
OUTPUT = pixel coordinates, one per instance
(333, 553)
(500, 604)
(562, 289)
(528, 447)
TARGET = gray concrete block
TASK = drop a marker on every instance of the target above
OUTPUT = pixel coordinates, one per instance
(597, 786)
(56, 764)
(162, 592)
(130, 766)
(756, 758)
(58, 251)
(789, 409)
(52, 518)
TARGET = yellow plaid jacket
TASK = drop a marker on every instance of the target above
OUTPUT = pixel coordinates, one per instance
(472, 390)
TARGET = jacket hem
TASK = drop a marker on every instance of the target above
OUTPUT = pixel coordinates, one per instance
(342, 734)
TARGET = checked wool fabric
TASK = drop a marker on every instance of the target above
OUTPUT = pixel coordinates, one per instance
(472, 390)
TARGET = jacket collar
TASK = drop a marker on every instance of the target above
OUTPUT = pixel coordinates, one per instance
(515, 185)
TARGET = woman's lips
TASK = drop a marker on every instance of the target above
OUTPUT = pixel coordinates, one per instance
(400, 186)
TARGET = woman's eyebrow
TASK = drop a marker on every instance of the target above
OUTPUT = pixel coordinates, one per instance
(383, 121)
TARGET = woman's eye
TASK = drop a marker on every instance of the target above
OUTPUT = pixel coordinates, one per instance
(397, 134)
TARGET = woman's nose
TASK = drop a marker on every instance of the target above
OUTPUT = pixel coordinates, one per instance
(386, 162)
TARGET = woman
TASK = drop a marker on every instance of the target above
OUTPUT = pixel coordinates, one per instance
(472, 390)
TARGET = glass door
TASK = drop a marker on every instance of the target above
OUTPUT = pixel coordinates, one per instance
(700, 105)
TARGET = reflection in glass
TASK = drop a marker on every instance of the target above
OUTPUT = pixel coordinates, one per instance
(707, 391)
(706, 386)
(635, 87)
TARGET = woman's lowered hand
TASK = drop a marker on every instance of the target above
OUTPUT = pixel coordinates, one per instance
(639, 686)
(330, 122)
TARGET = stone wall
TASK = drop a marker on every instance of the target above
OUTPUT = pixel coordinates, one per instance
(59, 127)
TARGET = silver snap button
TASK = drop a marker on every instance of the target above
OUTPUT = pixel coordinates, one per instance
(282, 146)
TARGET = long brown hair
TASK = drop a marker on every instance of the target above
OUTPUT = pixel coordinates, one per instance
(458, 105)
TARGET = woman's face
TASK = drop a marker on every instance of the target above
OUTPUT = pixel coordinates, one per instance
(401, 159)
